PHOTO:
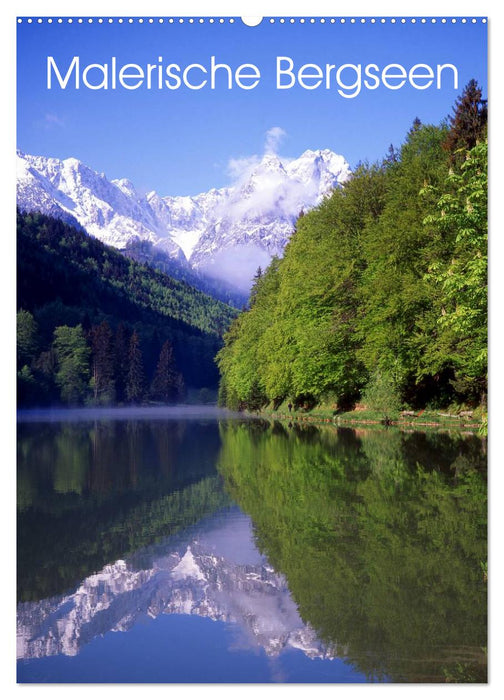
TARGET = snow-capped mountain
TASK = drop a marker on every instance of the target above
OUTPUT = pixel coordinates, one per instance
(190, 579)
(111, 211)
(225, 233)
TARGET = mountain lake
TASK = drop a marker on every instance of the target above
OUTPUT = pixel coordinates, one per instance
(193, 545)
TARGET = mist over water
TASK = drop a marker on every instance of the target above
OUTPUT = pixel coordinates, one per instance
(140, 413)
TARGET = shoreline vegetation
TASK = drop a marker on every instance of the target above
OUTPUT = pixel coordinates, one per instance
(457, 419)
(380, 297)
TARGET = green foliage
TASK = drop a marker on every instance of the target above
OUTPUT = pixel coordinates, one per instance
(66, 278)
(27, 337)
(167, 384)
(384, 283)
(298, 337)
(395, 299)
(72, 355)
(381, 394)
(461, 281)
(102, 351)
(135, 385)
(379, 535)
(121, 347)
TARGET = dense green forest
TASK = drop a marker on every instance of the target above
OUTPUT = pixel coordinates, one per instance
(382, 290)
(95, 327)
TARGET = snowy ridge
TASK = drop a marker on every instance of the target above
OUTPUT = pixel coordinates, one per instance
(192, 580)
(225, 233)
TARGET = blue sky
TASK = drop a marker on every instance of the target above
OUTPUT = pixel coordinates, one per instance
(182, 141)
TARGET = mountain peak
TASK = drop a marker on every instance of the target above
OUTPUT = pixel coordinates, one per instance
(224, 233)
(269, 163)
(271, 157)
(126, 186)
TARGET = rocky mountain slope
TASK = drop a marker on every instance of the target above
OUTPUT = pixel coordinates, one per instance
(223, 233)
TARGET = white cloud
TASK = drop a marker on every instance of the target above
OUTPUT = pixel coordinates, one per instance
(274, 137)
(238, 168)
(268, 191)
(51, 120)
(238, 265)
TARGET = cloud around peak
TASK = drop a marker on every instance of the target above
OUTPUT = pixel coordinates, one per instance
(274, 137)
(240, 168)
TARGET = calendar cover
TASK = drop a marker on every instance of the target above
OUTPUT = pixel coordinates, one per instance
(252, 349)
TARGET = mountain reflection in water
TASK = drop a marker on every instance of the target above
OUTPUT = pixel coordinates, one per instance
(343, 555)
(217, 573)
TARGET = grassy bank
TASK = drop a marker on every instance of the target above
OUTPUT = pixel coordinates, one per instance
(451, 418)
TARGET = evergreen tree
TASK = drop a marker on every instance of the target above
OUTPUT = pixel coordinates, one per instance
(135, 385)
(167, 384)
(102, 352)
(121, 361)
(66, 277)
(416, 126)
(45, 368)
(392, 155)
(468, 122)
(255, 285)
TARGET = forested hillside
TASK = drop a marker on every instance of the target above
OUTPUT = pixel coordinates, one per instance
(381, 295)
(145, 252)
(95, 326)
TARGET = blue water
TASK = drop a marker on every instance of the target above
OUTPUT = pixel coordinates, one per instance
(137, 565)
(179, 649)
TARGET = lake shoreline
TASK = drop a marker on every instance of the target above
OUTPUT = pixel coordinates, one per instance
(318, 416)
(352, 419)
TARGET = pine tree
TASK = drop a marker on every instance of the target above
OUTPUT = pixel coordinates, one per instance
(167, 384)
(468, 122)
(121, 361)
(255, 285)
(416, 126)
(102, 363)
(392, 154)
(135, 385)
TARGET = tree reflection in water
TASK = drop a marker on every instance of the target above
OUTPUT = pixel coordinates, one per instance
(381, 536)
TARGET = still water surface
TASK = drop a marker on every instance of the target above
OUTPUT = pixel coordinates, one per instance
(184, 545)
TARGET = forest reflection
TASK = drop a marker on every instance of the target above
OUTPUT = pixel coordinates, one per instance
(91, 492)
(382, 538)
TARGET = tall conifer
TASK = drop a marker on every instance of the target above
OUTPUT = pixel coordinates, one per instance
(167, 384)
(102, 352)
(121, 361)
(135, 386)
(468, 122)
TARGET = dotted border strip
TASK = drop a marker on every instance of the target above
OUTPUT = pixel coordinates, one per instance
(270, 20)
